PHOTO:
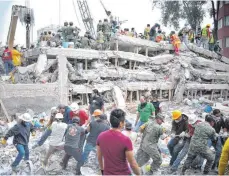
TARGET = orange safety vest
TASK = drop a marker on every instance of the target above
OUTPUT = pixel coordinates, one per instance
(159, 38)
(175, 39)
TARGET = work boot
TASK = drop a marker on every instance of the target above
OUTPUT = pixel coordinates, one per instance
(172, 171)
(183, 171)
(63, 166)
(14, 168)
(205, 172)
(213, 166)
(78, 173)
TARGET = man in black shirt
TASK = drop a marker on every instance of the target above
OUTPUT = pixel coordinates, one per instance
(156, 103)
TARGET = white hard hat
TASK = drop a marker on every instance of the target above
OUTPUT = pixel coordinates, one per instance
(74, 106)
(59, 116)
(54, 110)
(26, 117)
(192, 119)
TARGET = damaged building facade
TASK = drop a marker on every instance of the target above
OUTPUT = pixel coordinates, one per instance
(132, 68)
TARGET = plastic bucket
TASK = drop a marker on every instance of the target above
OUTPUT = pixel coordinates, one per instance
(65, 44)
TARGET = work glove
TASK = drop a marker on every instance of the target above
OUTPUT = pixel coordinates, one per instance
(163, 136)
(182, 134)
(3, 141)
(33, 133)
(164, 130)
(172, 135)
(225, 135)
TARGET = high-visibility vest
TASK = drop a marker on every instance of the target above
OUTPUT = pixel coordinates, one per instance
(205, 32)
(211, 39)
(16, 56)
(175, 39)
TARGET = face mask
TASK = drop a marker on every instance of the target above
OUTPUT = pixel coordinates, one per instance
(177, 121)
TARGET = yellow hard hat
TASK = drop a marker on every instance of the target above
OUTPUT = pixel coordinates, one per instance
(97, 112)
(176, 114)
(208, 25)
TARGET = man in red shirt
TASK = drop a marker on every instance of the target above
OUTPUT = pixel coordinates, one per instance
(7, 60)
(115, 150)
(76, 112)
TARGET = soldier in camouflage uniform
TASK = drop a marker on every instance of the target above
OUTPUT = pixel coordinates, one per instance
(152, 131)
(100, 26)
(85, 42)
(64, 31)
(70, 33)
(106, 33)
(199, 144)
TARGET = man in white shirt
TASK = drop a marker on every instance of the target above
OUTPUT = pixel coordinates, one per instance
(56, 138)
(129, 133)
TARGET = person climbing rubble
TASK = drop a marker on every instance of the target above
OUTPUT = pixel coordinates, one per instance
(153, 31)
(80, 113)
(176, 42)
(66, 111)
(217, 144)
(156, 103)
(74, 141)
(113, 159)
(129, 133)
(16, 56)
(183, 34)
(211, 42)
(95, 102)
(223, 162)
(147, 32)
(21, 133)
(7, 60)
(192, 122)
(199, 144)
(145, 110)
(148, 149)
(100, 26)
(95, 128)
(56, 138)
(205, 35)
(48, 129)
(178, 134)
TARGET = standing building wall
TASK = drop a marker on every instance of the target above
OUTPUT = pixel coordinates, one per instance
(223, 27)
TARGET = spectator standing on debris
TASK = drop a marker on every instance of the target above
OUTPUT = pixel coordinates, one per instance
(100, 40)
(156, 103)
(16, 56)
(133, 33)
(223, 162)
(144, 112)
(21, 133)
(192, 122)
(66, 111)
(211, 42)
(129, 133)
(183, 34)
(48, 129)
(153, 32)
(115, 150)
(191, 36)
(205, 35)
(178, 132)
(198, 145)
(176, 42)
(147, 32)
(80, 113)
(7, 60)
(56, 138)
(94, 129)
(74, 141)
(217, 144)
(96, 102)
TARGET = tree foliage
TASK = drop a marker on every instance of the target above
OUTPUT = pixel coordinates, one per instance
(174, 11)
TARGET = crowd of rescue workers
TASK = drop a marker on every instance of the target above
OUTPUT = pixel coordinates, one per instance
(78, 133)
(69, 35)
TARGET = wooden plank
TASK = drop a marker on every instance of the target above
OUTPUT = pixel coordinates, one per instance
(85, 64)
(170, 93)
(5, 111)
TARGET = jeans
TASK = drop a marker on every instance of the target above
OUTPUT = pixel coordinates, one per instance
(138, 125)
(211, 46)
(44, 136)
(8, 64)
(174, 148)
(76, 154)
(23, 151)
(87, 149)
(204, 42)
(197, 162)
(218, 150)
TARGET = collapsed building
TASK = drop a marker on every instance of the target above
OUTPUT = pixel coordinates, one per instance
(133, 67)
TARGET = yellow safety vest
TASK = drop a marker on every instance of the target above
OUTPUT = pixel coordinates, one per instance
(205, 32)
(211, 39)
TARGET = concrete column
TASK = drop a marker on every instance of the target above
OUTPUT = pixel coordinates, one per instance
(63, 79)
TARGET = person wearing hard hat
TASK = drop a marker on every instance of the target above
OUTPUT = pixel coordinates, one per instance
(192, 122)
(55, 140)
(74, 141)
(21, 133)
(205, 35)
(94, 129)
(80, 113)
(16, 56)
(178, 132)
(199, 145)
(66, 111)
(48, 130)
(152, 131)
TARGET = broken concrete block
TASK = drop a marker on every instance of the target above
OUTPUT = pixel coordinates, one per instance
(161, 59)
(118, 98)
(41, 64)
